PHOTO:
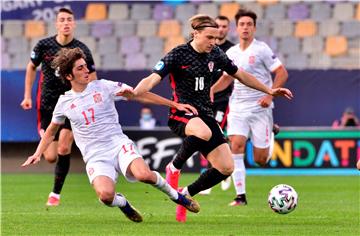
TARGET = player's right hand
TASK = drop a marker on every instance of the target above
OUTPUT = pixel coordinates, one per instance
(26, 104)
(31, 160)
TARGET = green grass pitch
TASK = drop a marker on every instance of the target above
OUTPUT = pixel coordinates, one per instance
(328, 205)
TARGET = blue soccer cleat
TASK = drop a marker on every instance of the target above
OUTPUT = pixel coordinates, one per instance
(187, 202)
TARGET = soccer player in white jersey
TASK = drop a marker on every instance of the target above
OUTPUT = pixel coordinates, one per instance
(106, 150)
(250, 114)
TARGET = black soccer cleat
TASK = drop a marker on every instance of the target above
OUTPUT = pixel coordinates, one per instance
(131, 212)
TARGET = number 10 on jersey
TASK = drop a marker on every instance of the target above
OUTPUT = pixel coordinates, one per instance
(199, 83)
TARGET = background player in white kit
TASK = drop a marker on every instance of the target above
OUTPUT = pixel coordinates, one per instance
(106, 150)
(250, 114)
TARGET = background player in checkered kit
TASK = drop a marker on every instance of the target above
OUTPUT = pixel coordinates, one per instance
(106, 150)
(250, 114)
(190, 68)
(49, 90)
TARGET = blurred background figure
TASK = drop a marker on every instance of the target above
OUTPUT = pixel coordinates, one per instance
(347, 119)
(147, 120)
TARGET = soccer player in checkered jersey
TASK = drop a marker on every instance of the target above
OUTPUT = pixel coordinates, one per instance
(49, 90)
(221, 99)
(191, 67)
(106, 150)
(250, 114)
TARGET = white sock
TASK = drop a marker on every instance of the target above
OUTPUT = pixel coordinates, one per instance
(185, 191)
(118, 201)
(164, 187)
(56, 195)
(239, 173)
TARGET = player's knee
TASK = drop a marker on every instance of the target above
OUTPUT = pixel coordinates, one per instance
(237, 147)
(226, 169)
(260, 160)
(204, 134)
(106, 196)
(64, 149)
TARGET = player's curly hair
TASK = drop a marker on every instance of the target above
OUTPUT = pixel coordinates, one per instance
(64, 62)
(200, 22)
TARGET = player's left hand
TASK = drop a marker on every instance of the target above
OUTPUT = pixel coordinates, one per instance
(265, 101)
(31, 160)
(127, 92)
(186, 108)
(282, 92)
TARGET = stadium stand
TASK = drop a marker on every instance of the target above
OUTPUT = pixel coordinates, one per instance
(323, 34)
(96, 12)
(34, 29)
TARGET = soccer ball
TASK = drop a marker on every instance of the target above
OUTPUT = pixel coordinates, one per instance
(282, 199)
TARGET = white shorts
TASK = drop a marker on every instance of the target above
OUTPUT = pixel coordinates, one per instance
(114, 162)
(254, 125)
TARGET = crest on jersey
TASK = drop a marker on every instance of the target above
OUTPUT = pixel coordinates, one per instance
(251, 60)
(97, 97)
(72, 106)
(211, 66)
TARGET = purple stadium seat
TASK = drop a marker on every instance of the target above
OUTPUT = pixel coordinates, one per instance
(130, 45)
(135, 61)
(102, 29)
(163, 12)
(298, 11)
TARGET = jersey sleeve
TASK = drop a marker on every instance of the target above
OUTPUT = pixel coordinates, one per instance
(270, 60)
(114, 87)
(37, 54)
(166, 64)
(226, 64)
(58, 114)
(89, 59)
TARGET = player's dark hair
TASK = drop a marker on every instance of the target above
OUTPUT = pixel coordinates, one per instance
(66, 10)
(220, 17)
(64, 62)
(200, 22)
(244, 12)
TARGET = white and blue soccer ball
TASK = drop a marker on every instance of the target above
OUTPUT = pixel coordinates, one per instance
(283, 199)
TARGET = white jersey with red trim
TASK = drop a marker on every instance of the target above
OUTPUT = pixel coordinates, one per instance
(259, 60)
(93, 117)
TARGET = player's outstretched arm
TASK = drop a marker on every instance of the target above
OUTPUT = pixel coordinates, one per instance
(153, 98)
(250, 81)
(44, 143)
(147, 84)
(224, 82)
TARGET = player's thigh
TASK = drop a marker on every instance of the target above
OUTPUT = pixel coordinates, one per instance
(141, 171)
(238, 124)
(261, 128)
(101, 166)
(220, 158)
(197, 127)
(126, 156)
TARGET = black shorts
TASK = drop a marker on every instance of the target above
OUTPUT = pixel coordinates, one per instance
(221, 110)
(178, 121)
(44, 120)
